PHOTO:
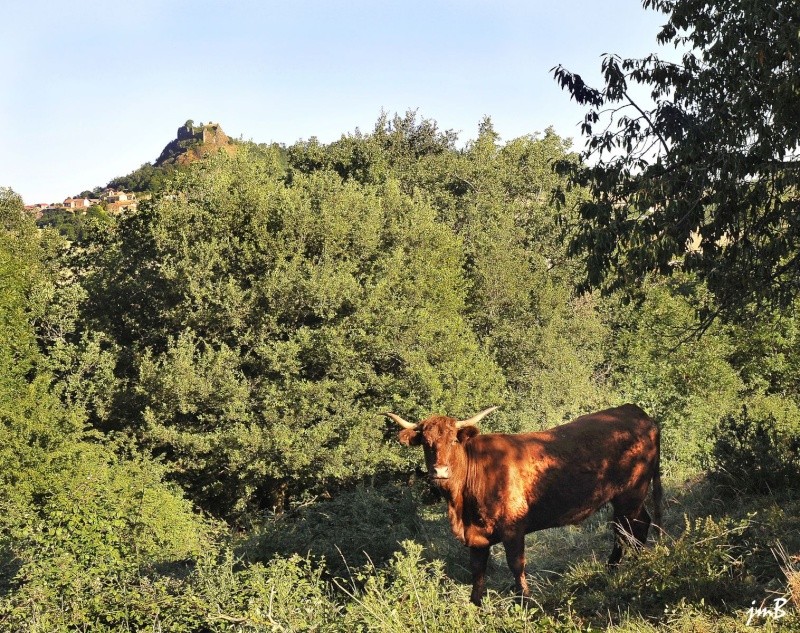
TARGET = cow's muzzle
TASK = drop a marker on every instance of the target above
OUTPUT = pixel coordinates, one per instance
(440, 472)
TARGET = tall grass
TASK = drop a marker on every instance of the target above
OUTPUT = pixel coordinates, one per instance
(713, 561)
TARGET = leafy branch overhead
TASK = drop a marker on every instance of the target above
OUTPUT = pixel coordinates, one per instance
(703, 173)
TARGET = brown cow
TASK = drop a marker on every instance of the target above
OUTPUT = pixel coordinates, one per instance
(499, 487)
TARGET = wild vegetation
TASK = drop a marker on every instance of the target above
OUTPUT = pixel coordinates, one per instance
(191, 396)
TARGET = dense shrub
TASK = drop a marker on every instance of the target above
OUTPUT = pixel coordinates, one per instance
(89, 533)
(80, 526)
(265, 325)
(412, 595)
(657, 363)
(705, 564)
(757, 452)
(76, 226)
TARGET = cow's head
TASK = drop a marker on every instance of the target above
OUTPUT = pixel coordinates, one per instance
(442, 439)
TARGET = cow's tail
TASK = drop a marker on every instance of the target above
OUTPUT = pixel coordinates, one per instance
(657, 490)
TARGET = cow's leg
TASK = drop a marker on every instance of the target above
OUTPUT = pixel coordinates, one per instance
(515, 556)
(631, 525)
(478, 558)
(640, 526)
(619, 536)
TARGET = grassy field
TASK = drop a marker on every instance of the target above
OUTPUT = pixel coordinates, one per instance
(721, 556)
(381, 558)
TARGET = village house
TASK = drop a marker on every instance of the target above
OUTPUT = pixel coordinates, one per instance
(37, 209)
(78, 203)
(114, 201)
(119, 201)
(110, 196)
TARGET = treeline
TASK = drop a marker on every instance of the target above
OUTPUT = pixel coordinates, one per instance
(225, 353)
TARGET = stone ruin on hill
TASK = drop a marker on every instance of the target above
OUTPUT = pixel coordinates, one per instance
(192, 141)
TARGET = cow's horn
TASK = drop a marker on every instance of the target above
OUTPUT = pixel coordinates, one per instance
(401, 421)
(475, 418)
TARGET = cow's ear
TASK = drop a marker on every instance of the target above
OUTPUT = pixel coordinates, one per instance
(410, 437)
(467, 433)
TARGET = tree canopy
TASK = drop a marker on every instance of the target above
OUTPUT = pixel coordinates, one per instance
(266, 306)
(705, 176)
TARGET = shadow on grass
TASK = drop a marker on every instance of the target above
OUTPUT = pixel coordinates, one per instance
(361, 527)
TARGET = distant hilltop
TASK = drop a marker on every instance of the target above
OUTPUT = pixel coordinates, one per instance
(193, 142)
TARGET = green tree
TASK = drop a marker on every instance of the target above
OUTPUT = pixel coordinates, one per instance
(685, 385)
(31, 419)
(76, 226)
(74, 517)
(767, 353)
(711, 160)
(500, 198)
(263, 325)
(522, 303)
(146, 178)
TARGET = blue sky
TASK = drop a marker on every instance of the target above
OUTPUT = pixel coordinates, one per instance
(93, 89)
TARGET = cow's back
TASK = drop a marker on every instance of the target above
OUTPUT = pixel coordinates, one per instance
(561, 475)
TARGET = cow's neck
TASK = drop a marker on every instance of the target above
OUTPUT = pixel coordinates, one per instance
(453, 492)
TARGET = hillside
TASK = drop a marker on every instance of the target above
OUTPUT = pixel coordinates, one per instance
(190, 144)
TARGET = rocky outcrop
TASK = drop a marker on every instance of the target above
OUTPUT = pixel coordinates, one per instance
(193, 142)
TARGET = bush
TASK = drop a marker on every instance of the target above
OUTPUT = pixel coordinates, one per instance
(757, 452)
(287, 594)
(412, 595)
(684, 385)
(98, 534)
(280, 318)
(705, 565)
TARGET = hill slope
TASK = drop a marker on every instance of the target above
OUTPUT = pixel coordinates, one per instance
(191, 143)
